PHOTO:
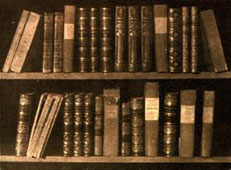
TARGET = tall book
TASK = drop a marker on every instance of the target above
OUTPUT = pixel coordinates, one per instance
(111, 122)
(133, 38)
(68, 39)
(58, 42)
(187, 123)
(160, 13)
(146, 38)
(48, 42)
(15, 42)
(25, 42)
(213, 40)
(23, 125)
(152, 105)
(120, 38)
(207, 127)
(174, 40)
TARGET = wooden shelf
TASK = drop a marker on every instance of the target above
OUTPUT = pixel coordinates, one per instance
(113, 76)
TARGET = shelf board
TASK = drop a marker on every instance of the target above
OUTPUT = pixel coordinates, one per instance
(119, 159)
(113, 76)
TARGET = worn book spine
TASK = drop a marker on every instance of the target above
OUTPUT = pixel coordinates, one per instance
(69, 36)
(137, 123)
(99, 116)
(78, 124)
(207, 127)
(58, 42)
(151, 94)
(48, 42)
(160, 13)
(120, 38)
(146, 38)
(175, 40)
(106, 35)
(187, 123)
(133, 38)
(186, 39)
(23, 125)
(15, 42)
(125, 146)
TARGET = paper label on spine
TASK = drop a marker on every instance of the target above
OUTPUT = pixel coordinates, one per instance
(69, 31)
(208, 115)
(161, 25)
(187, 114)
(111, 111)
(152, 108)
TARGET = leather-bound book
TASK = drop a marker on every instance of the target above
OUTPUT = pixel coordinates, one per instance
(133, 38)
(175, 40)
(23, 125)
(146, 38)
(161, 37)
(137, 119)
(152, 102)
(207, 127)
(106, 42)
(187, 123)
(58, 42)
(69, 36)
(120, 38)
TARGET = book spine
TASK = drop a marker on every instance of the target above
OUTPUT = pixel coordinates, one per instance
(68, 39)
(137, 119)
(58, 43)
(146, 38)
(106, 34)
(23, 126)
(48, 42)
(68, 125)
(207, 128)
(98, 139)
(151, 94)
(186, 39)
(83, 39)
(125, 148)
(133, 38)
(187, 123)
(94, 40)
(174, 40)
(161, 37)
(195, 42)
(170, 124)
(78, 123)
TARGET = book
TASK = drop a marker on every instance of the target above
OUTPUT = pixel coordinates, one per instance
(133, 38)
(111, 122)
(25, 42)
(16, 39)
(160, 13)
(48, 42)
(146, 38)
(69, 36)
(187, 123)
(23, 125)
(58, 42)
(207, 126)
(152, 107)
(120, 38)
(213, 40)
(175, 40)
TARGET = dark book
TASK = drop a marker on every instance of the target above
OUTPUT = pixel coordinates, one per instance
(120, 38)
(133, 38)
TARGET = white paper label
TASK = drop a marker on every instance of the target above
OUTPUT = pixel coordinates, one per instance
(187, 114)
(208, 115)
(161, 25)
(152, 108)
(69, 31)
